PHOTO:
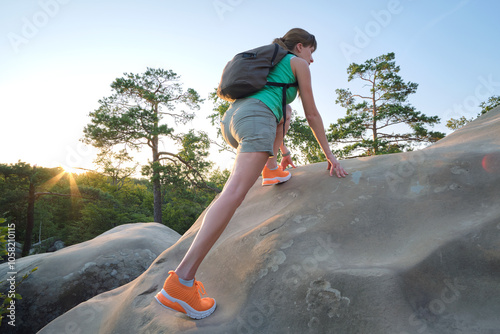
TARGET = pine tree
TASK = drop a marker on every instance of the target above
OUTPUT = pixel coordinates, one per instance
(133, 114)
(366, 128)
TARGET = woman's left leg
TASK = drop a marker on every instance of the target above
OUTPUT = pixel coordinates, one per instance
(181, 291)
(246, 170)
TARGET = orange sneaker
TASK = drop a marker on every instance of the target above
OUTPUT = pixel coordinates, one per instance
(275, 176)
(176, 296)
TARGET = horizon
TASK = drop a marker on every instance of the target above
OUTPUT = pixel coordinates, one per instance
(60, 56)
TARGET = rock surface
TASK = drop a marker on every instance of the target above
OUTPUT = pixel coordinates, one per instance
(408, 243)
(77, 273)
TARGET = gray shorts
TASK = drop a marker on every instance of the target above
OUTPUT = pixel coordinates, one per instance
(249, 126)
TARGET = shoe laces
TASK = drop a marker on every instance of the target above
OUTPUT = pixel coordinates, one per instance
(201, 288)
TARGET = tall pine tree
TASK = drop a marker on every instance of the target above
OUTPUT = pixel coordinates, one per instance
(133, 115)
(366, 128)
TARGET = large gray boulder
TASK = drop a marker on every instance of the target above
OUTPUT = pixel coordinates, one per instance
(408, 243)
(77, 273)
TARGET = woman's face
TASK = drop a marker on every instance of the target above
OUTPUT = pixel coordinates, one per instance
(305, 52)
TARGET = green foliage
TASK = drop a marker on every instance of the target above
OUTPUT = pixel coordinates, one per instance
(491, 103)
(455, 124)
(302, 143)
(111, 205)
(187, 185)
(48, 203)
(220, 108)
(4, 231)
(363, 131)
(485, 106)
(103, 203)
(73, 208)
(23, 185)
(185, 204)
(186, 168)
(114, 165)
(132, 116)
(218, 178)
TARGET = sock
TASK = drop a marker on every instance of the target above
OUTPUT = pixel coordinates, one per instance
(187, 282)
(273, 168)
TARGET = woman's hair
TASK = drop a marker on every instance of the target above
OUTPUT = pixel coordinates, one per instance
(294, 37)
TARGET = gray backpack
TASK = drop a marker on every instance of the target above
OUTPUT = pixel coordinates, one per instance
(247, 73)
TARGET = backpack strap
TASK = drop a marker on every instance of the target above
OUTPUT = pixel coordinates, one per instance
(284, 86)
(276, 49)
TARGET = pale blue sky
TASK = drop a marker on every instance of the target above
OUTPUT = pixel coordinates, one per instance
(58, 57)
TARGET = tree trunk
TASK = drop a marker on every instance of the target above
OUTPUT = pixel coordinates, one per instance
(157, 198)
(374, 124)
(30, 220)
(156, 174)
(156, 183)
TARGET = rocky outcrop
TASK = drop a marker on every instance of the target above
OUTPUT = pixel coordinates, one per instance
(408, 243)
(77, 273)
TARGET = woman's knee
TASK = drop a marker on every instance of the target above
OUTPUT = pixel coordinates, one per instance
(246, 171)
(234, 194)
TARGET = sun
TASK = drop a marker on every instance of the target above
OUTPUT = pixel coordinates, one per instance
(72, 170)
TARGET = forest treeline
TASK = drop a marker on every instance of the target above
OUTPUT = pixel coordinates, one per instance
(177, 185)
(52, 203)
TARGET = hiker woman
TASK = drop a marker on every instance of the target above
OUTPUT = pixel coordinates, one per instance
(253, 125)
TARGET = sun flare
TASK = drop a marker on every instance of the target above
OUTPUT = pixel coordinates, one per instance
(69, 172)
(72, 170)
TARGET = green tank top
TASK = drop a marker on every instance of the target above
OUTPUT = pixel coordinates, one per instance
(272, 96)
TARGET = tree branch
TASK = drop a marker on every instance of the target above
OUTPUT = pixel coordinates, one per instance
(191, 168)
(170, 159)
(363, 97)
(38, 195)
(365, 79)
(347, 141)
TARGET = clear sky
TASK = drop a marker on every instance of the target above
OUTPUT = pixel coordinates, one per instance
(58, 57)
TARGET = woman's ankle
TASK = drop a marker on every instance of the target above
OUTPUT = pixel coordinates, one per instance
(272, 164)
(183, 275)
